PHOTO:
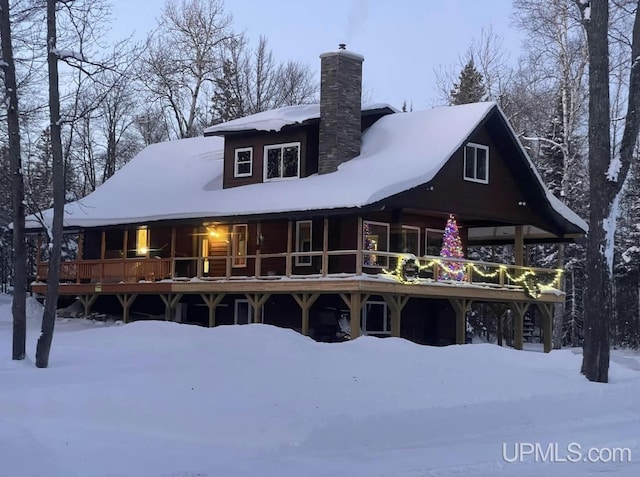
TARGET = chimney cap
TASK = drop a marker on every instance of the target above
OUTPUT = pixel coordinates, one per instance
(342, 51)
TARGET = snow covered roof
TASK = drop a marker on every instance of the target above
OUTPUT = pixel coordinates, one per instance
(183, 179)
(276, 119)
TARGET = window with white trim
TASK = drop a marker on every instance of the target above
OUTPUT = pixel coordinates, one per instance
(411, 239)
(282, 161)
(476, 163)
(243, 164)
(375, 238)
(375, 318)
(433, 241)
(303, 242)
(239, 234)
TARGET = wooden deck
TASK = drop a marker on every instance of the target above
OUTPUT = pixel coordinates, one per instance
(409, 277)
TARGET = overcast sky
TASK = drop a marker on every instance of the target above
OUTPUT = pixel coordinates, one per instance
(403, 41)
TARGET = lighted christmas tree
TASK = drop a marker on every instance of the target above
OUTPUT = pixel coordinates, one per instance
(451, 248)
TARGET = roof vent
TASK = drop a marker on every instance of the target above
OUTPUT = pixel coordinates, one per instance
(342, 46)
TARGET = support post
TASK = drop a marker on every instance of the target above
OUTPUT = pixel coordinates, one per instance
(257, 300)
(126, 300)
(258, 261)
(519, 246)
(288, 264)
(173, 252)
(461, 306)
(325, 247)
(305, 301)
(359, 248)
(170, 301)
(519, 309)
(125, 240)
(396, 303)
(547, 310)
(355, 300)
(212, 300)
(87, 302)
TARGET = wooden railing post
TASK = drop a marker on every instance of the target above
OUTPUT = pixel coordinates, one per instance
(288, 264)
(325, 247)
(359, 248)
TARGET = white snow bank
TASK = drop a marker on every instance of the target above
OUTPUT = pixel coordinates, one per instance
(163, 399)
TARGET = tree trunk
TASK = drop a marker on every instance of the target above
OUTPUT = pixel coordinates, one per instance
(558, 311)
(51, 300)
(595, 363)
(606, 178)
(18, 307)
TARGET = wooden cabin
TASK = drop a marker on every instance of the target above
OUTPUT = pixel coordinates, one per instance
(316, 216)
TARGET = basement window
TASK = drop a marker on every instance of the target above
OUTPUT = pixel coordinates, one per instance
(375, 318)
(282, 161)
(476, 163)
(243, 164)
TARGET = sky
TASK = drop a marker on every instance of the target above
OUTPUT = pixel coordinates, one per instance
(402, 41)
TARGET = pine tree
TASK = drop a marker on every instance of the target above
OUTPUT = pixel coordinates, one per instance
(470, 87)
(452, 248)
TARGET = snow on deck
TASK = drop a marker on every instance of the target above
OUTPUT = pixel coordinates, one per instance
(183, 179)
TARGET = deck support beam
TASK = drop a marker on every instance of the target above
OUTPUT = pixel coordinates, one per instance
(305, 301)
(212, 300)
(499, 309)
(396, 303)
(519, 246)
(354, 301)
(257, 300)
(87, 302)
(461, 307)
(170, 301)
(126, 300)
(547, 310)
(519, 309)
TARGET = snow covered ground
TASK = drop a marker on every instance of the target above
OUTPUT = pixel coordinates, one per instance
(155, 399)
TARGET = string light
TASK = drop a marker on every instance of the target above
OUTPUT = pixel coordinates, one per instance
(528, 280)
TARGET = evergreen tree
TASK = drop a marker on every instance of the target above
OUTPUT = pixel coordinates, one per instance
(470, 87)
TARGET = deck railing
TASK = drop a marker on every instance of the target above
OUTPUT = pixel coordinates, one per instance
(402, 267)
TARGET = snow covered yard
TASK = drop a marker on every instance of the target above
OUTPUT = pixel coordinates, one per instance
(155, 399)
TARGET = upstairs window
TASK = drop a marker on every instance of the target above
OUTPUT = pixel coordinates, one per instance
(375, 238)
(282, 161)
(476, 163)
(243, 164)
(433, 239)
(411, 239)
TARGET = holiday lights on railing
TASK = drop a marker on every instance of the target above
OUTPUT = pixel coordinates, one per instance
(409, 267)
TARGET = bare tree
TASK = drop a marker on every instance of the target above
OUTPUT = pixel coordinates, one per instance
(251, 81)
(17, 186)
(183, 57)
(607, 173)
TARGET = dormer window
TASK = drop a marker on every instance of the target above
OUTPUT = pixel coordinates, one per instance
(282, 161)
(476, 163)
(243, 164)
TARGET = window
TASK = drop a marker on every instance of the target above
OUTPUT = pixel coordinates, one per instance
(243, 164)
(242, 312)
(375, 319)
(282, 161)
(375, 237)
(433, 241)
(476, 163)
(142, 241)
(411, 240)
(239, 245)
(303, 242)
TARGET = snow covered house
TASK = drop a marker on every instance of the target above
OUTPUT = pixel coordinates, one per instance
(303, 214)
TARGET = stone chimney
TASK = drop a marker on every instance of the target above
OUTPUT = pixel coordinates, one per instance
(340, 108)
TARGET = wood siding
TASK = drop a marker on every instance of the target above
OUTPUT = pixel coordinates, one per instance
(306, 136)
